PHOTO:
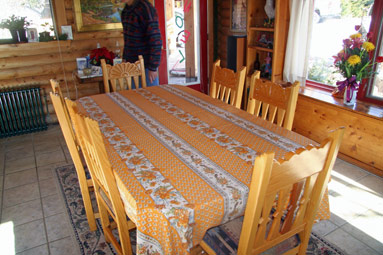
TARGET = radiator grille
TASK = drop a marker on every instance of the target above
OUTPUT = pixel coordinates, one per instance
(21, 111)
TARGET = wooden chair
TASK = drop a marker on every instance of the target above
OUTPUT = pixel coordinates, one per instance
(74, 150)
(227, 85)
(283, 200)
(272, 101)
(107, 194)
(122, 75)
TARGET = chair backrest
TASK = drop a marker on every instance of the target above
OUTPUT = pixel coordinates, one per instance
(74, 149)
(100, 168)
(120, 76)
(227, 85)
(272, 101)
(62, 113)
(285, 196)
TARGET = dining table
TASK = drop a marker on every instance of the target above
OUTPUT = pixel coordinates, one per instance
(183, 161)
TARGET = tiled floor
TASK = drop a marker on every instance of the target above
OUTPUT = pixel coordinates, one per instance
(34, 221)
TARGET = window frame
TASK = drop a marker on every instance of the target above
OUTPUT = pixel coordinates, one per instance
(376, 18)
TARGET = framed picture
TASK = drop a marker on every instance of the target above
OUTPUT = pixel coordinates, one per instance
(68, 31)
(32, 34)
(93, 15)
(81, 63)
(117, 61)
(238, 15)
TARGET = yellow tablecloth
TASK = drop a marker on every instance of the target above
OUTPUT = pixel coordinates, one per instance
(183, 160)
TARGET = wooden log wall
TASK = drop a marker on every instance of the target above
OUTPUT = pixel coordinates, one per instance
(363, 139)
(223, 29)
(37, 63)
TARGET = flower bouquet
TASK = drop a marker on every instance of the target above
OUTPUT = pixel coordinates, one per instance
(354, 63)
(101, 53)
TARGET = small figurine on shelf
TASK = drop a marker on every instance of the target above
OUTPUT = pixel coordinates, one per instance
(268, 22)
(270, 12)
(266, 72)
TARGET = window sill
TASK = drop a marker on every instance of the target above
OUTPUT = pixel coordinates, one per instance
(364, 108)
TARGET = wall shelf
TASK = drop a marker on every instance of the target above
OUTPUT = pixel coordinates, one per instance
(262, 29)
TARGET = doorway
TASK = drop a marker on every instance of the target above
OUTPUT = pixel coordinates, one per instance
(183, 26)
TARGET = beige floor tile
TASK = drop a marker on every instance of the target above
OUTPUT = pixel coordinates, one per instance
(30, 235)
(19, 145)
(52, 205)
(1, 182)
(64, 247)
(365, 228)
(20, 194)
(349, 244)
(57, 227)
(374, 183)
(2, 161)
(47, 171)
(26, 151)
(348, 170)
(48, 187)
(24, 163)
(23, 213)
(20, 178)
(336, 219)
(40, 250)
(324, 227)
(50, 158)
(47, 147)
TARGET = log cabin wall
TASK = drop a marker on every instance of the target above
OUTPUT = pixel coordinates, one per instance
(363, 138)
(223, 29)
(36, 63)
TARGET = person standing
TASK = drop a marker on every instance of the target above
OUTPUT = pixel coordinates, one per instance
(142, 36)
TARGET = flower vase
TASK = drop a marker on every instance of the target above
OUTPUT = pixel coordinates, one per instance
(352, 100)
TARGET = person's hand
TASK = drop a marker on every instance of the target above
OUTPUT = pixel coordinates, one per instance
(152, 75)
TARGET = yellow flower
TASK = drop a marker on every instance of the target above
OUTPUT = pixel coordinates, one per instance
(353, 60)
(368, 46)
(357, 35)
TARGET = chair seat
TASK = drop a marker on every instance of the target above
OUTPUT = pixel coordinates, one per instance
(224, 239)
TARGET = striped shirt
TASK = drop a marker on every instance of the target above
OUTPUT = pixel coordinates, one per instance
(141, 34)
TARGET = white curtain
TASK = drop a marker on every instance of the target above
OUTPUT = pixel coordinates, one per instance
(298, 41)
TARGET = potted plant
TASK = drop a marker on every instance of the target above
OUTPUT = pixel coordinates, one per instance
(16, 26)
(45, 36)
(355, 64)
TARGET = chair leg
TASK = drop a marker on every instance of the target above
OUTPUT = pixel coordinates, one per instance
(85, 192)
(87, 202)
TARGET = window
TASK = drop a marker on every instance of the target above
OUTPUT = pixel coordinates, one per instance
(37, 13)
(333, 21)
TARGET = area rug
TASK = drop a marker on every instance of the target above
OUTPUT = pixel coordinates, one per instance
(93, 242)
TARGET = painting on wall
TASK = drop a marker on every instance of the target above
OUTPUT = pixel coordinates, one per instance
(238, 15)
(93, 15)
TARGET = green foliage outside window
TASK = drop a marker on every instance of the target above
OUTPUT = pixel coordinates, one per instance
(322, 71)
(356, 8)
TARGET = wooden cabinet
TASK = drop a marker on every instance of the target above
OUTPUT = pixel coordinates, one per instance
(265, 40)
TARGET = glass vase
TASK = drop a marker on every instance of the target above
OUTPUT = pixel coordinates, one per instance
(352, 101)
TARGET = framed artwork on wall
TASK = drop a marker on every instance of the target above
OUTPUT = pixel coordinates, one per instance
(238, 15)
(96, 15)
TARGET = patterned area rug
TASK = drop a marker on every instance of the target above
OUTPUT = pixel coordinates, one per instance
(94, 242)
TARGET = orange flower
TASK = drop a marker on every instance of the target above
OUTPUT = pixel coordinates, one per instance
(164, 192)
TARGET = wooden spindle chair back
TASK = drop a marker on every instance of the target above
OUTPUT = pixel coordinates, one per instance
(285, 196)
(227, 85)
(283, 200)
(272, 101)
(74, 150)
(107, 194)
(120, 76)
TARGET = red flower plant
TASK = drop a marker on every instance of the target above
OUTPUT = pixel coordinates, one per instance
(101, 53)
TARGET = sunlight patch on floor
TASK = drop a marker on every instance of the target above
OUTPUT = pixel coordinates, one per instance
(357, 204)
(7, 238)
